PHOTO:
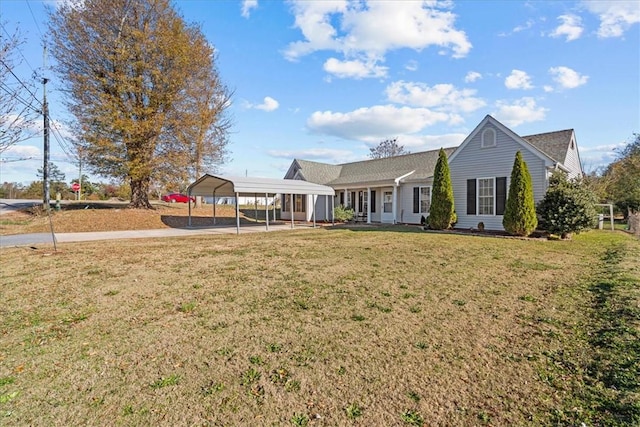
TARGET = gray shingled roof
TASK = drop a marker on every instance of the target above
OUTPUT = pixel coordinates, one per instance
(372, 171)
(319, 173)
(553, 144)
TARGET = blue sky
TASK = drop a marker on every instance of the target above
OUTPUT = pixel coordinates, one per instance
(327, 80)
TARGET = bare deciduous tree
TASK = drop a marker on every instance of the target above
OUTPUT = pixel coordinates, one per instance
(387, 148)
(18, 108)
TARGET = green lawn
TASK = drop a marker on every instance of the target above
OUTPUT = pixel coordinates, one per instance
(325, 327)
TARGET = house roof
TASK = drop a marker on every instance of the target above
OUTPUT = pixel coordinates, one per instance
(553, 144)
(320, 173)
(208, 185)
(372, 171)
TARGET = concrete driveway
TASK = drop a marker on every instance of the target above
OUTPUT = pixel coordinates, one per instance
(46, 238)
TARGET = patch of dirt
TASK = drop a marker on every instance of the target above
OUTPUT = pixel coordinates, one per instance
(107, 216)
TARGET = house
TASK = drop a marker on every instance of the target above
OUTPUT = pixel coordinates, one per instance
(398, 189)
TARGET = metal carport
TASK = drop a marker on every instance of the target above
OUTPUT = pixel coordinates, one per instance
(228, 186)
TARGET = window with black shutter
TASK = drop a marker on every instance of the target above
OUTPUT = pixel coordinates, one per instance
(416, 199)
(471, 197)
(501, 194)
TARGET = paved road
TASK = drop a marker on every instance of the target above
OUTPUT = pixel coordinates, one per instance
(46, 238)
(12, 205)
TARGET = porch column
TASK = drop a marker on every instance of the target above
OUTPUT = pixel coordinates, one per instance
(313, 202)
(333, 219)
(368, 205)
(214, 207)
(291, 208)
(255, 206)
(395, 204)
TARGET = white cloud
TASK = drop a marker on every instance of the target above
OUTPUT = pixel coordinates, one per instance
(571, 27)
(567, 78)
(472, 76)
(523, 110)
(268, 104)
(373, 123)
(442, 97)
(411, 65)
(518, 79)
(247, 5)
(367, 30)
(22, 151)
(430, 142)
(326, 154)
(547, 88)
(616, 17)
(526, 26)
(354, 69)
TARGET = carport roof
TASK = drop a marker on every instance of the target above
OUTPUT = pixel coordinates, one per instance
(232, 185)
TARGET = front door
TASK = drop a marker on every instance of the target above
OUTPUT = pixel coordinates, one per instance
(387, 206)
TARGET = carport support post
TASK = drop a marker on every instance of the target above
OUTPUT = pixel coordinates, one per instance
(214, 207)
(266, 209)
(189, 202)
(237, 213)
(255, 205)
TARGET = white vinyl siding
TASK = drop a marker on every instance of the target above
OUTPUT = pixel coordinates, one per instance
(486, 196)
(474, 162)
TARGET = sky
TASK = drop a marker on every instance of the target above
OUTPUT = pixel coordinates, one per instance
(328, 80)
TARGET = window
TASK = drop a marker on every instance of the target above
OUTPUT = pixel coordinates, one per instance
(299, 203)
(485, 196)
(348, 205)
(387, 201)
(363, 201)
(488, 138)
(425, 199)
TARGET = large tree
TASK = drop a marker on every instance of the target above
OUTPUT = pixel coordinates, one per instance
(520, 212)
(622, 177)
(131, 69)
(441, 213)
(18, 108)
(387, 148)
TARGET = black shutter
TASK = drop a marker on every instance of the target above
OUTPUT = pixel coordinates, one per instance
(353, 200)
(373, 201)
(501, 194)
(471, 197)
(304, 202)
(284, 203)
(416, 199)
(342, 198)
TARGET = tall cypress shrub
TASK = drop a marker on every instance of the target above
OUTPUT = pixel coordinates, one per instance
(520, 212)
(442, 209)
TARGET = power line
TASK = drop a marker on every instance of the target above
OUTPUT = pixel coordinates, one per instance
(18, 49)
(20, 81)
(34, 19)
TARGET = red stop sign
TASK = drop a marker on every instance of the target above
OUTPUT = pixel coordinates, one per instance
(75, 186)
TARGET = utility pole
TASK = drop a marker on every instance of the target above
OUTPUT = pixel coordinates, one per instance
(45, 114)
(45, 167)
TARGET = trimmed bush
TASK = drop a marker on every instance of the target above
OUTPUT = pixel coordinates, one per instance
(342, 214)
(520, 212)
(568, 207)
(442, 209)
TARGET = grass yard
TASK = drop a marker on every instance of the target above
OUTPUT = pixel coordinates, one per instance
(325, 327)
